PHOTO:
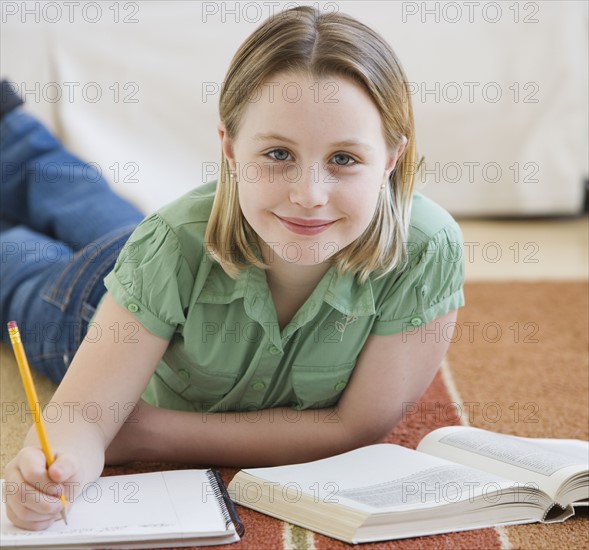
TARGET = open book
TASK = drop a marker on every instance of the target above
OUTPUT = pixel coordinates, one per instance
(152, 510)
(459, 478)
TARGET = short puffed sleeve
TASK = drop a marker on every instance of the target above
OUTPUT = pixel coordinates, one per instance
(151, 277)
(430, 286)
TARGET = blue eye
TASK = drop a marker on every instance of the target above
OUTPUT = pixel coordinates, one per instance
(346, 156)
(274, 151)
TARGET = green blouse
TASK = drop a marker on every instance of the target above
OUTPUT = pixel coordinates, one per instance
(227, 352)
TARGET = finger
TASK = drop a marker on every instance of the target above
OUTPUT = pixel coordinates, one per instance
(29, 504)
(35, 489)
(32, 465)
(26, 505)
(32, 522)
(28, 470)
(64, 468)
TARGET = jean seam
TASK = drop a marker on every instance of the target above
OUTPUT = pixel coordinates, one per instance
(75, 344)
(98, 275)
(53, 297)
(62, 303)
(86, 307)
(42, 356)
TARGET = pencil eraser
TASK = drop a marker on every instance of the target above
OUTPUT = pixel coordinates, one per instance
(12, 324)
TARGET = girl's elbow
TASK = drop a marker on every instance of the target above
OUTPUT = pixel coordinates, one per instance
(373, 431)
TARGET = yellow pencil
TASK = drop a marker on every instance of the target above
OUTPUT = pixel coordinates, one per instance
(27, 379)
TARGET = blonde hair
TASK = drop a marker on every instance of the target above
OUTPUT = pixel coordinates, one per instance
(321, 45)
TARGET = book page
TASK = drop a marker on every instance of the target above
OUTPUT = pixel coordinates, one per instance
(574, 448)
(375, 478)
(513, 457)
(431, 487)
(120, 508)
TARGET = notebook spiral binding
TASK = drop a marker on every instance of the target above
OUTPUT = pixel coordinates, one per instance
(227, 506)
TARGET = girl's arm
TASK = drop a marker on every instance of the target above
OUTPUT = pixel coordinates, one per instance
(104, 381)
(391, 372)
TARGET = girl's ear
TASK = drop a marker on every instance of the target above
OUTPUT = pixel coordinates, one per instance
(227, 145)
(394, 155)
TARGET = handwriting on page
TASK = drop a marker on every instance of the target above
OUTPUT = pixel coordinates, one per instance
(86, 530)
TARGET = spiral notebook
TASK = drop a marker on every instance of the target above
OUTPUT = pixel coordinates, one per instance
(152, 510)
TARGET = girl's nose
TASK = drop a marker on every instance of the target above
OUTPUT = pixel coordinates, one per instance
(310, 189)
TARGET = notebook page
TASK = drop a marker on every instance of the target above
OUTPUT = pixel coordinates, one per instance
(119, 508)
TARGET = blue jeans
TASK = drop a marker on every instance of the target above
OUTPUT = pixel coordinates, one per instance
(61, 230)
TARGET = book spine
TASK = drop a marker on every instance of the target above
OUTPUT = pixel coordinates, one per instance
(227, 506)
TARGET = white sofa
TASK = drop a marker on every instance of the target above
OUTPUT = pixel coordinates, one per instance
(133, 87)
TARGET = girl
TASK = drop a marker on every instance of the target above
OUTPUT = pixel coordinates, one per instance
(280, 314)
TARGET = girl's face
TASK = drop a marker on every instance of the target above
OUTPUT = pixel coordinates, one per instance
(310, 160)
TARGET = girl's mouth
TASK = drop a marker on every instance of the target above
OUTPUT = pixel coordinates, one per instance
(306, 226)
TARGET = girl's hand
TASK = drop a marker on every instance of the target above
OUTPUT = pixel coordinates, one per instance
(32, 491)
